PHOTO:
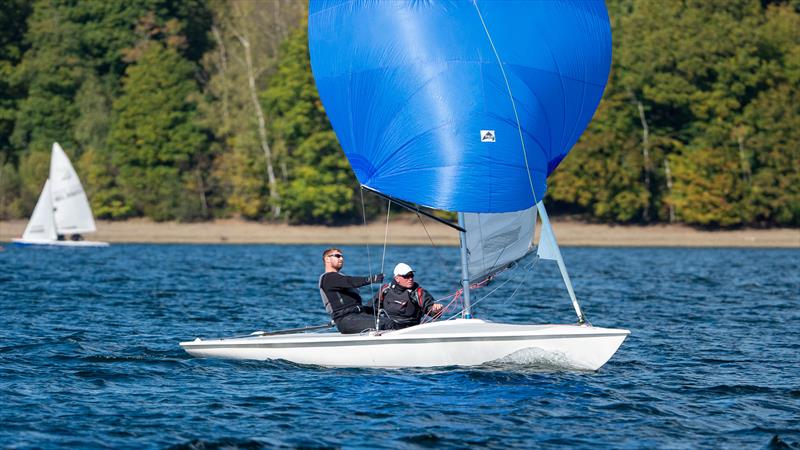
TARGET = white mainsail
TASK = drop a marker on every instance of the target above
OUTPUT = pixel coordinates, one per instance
(42, 227)
(72, 211)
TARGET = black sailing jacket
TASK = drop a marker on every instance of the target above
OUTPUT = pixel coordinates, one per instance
(405, 307)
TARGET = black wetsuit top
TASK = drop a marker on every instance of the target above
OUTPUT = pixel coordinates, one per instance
(342, 294)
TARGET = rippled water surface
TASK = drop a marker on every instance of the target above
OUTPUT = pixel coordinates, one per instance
(89, 354)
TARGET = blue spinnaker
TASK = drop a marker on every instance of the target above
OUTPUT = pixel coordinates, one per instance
(441, 102)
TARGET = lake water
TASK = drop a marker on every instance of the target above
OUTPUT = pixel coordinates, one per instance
(89, 353)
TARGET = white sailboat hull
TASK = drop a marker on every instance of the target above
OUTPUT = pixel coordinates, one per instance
(66, 243)
(462, 342)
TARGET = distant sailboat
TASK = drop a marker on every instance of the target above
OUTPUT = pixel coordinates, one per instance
(62, 208)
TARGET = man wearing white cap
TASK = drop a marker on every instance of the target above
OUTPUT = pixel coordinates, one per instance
(404, 302)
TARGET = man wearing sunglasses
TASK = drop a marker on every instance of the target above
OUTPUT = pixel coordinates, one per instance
(403, 303)
(340, 295)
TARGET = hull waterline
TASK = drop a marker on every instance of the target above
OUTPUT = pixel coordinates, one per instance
(30, 243)
(463, 342)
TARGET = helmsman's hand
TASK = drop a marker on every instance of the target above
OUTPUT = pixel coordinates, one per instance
(377, 278)
(436, 308)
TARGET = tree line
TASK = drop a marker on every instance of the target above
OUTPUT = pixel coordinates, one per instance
(195, 109)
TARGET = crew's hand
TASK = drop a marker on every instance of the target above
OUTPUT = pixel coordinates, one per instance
(436, 308)
(377, 278)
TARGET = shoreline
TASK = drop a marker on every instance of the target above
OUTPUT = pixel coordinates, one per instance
(405, 231)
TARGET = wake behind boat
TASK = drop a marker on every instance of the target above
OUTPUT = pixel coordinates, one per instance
(62, 209)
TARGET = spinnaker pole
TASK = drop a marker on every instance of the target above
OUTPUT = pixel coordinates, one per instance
(467, 313)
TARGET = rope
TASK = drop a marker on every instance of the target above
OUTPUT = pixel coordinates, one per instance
(458, 295)
(519, 285)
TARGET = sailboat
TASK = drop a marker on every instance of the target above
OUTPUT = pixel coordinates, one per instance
(62, 209)
(464, 107)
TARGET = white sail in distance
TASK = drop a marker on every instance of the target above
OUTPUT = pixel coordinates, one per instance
(41, 226)
(72, 211)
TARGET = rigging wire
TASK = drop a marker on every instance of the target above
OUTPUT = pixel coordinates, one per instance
(519, 285)
(438, 251)
(377, 306)
(369, 258)
(478, 285)
(522, 280)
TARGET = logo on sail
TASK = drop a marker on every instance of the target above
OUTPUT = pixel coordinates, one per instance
(487, 136)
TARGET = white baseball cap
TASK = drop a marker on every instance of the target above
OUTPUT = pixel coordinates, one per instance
(402, 269)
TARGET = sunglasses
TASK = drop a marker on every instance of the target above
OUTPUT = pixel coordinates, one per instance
(337, 255)
(407, 276)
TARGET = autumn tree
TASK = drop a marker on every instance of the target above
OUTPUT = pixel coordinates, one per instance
(248, 37)
(320, 184)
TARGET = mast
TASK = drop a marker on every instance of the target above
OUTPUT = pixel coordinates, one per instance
(553, 252)
(467, 314)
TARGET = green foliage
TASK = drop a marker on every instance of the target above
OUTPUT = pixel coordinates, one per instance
(320, 189)
(98, 175)
(94, 113)
(34, 168)
(108, 32)
(241, 181)
(685, 130)
(700, 122)
(61, 89)
(708, 188)
(10, 202)
(13, 21)
(602, 175)
(320, 183)
(775, 154)
(52, 70)
(247, 37)
(154, 139)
